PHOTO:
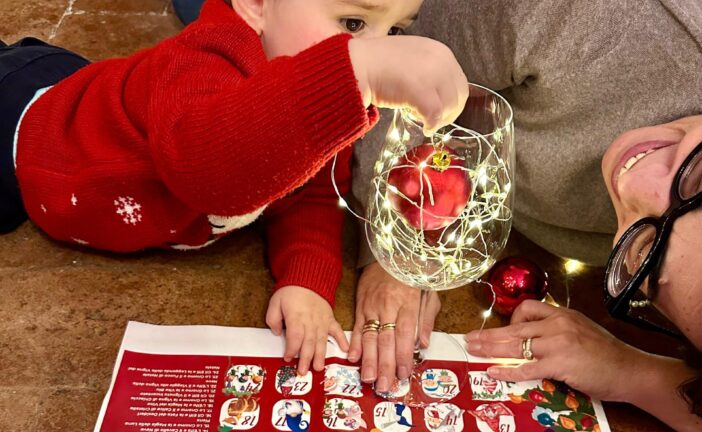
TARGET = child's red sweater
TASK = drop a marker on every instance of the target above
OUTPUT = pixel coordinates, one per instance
(179, 144)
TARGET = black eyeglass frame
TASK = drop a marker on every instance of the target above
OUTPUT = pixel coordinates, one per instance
(620, 306)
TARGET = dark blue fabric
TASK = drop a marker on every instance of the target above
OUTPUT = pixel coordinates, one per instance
(25, 67)
(187, 10)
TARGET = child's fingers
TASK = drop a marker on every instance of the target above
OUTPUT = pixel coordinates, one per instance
(338, 334)
(294, 336)
(306, 352)
(274, 317)
(320, 351)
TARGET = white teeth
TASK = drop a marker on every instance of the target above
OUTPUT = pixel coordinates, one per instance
(632, 161)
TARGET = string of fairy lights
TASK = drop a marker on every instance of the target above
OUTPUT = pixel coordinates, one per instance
(465, 249)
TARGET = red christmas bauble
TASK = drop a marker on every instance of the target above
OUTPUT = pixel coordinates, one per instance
(417, 177)
(514, 280)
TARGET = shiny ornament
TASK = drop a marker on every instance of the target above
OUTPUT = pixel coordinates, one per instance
(429, 187)
(515, 279)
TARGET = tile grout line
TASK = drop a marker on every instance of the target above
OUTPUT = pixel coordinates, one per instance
(67, 12)
(126, 14)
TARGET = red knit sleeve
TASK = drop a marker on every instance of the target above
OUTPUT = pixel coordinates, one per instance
(258, 137)
(304, 233)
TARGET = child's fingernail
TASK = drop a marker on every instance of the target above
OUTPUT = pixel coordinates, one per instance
(474, 346)
(369, 375)
(493, 371)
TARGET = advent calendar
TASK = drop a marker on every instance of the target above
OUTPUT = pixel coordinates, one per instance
(220, 379)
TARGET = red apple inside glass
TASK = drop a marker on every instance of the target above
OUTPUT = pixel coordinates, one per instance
(416, 177)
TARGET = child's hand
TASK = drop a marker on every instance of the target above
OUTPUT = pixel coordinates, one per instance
(410, 71)
(308, 321)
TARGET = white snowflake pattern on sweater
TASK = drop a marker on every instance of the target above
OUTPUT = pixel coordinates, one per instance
(129, 209)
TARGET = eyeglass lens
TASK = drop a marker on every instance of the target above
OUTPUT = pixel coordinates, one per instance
(691, 180)
(629, 258)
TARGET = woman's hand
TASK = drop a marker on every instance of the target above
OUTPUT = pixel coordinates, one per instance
(388, 354)
(567, 346)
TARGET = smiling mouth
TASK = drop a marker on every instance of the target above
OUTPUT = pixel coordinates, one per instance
(633, 160)
(633, 156)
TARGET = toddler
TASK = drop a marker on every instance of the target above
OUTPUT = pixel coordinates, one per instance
(182, 143)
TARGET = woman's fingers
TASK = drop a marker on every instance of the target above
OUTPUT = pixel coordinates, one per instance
(405, 339)
(386, 352)
(369, 367)
(527, 371)
(532, 310)
(512, 332)
(509, 349)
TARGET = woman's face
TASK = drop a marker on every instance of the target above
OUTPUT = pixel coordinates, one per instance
(638, 169)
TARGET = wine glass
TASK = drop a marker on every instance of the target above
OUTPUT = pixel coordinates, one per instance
(440, 208)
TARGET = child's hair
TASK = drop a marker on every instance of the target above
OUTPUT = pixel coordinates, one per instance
(691, 390)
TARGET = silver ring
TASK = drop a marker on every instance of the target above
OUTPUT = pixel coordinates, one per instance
(527, 353)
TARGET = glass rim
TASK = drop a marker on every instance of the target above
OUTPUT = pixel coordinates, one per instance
(507, 124)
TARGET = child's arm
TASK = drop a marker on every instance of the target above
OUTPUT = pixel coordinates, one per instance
(245, 141)
(285, 118)
(304, 234)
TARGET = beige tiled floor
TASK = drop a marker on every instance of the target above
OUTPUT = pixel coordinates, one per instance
(63, 310)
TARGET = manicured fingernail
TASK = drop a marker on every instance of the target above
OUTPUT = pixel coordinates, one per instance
(369, 375)
(403, 372)
(382, 384)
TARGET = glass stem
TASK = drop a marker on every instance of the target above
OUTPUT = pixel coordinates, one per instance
(423, 299)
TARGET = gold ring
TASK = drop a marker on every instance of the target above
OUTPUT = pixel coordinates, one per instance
(369, 329)
(388, 326)
(527, 353)
(371, 325)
